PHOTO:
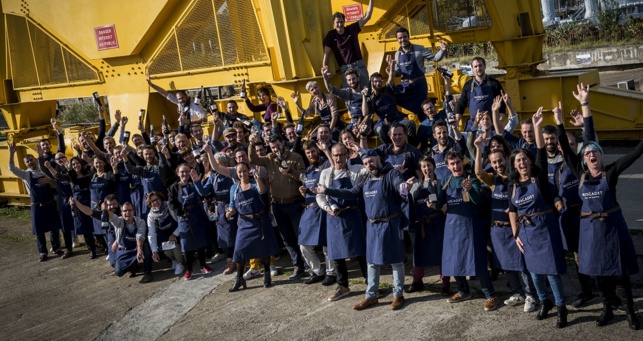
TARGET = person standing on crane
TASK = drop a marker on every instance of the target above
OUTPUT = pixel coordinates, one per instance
(342, 40)
(188, 110)
(478, 93)
(409, 64)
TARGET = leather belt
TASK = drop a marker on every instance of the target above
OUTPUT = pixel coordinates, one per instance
(426, 222)
(41, 204)
(500, 223)
(526, 218)
(285, 201)
(191, 206)
(385, 219)
(343, 209)
(599, 215)
(255, 216)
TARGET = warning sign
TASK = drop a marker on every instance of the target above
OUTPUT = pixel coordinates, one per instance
(352, 12)
(106, 37)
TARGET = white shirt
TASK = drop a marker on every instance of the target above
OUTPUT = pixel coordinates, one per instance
(357, 174)
(196, 111)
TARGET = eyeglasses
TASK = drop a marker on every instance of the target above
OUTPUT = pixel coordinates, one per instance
(60, 158)
(591, 152)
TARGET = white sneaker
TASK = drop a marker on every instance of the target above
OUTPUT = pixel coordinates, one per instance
(273, 271)
(218, 257)
(250, 274)
(530, 304)
(179, 269)
(514, 300)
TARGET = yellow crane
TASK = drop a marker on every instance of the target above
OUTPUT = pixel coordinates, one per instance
(53, 50)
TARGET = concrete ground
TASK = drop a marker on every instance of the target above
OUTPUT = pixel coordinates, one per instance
(80, 299)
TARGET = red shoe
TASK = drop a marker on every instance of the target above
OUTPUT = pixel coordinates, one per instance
(206, 269)
(188, 275)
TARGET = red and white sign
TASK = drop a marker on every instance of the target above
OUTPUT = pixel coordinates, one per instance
(353, 12)
(106, 37)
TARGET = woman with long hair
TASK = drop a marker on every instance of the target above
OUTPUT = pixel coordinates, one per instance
(534, 225)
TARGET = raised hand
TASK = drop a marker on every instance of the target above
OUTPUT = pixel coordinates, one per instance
(497, 103)
(558, 113)
(117, 115)
(537, 118)
(479, 142)
(55, 127)
(443, 45)
(39, 149)
(577, 118)
(124, 120)
(295, 96)
(466, 183)
(281, 102)
(194, 175)
(583, 93)
(365, 91)
(147, 77)
(322, 145)
(47, 164)
(401, 168)
(505, 98)
(114, 162)
(391, 64)
(325, 73)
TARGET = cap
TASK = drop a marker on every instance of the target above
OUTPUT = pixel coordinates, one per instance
(229, 131)
(369, 153)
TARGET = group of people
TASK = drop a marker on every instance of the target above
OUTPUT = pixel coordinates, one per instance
(438, 194)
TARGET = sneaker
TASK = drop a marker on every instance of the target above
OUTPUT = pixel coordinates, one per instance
(329, 280)
(179, 269)
(582, 300)
(250, 274)
(187, 275)
(67, 254)
(514, 300)
(59, 253)
(92, 254)
(490, 304)
(218, 257)
(458, 298)
(297, 274)
(530, 304)
(314, 279)
(42, 258)
(340, 292)
(206, 269)
(274, 271)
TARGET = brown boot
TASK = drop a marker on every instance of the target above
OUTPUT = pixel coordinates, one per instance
(398, 302)
(367, 302)
(231, 267)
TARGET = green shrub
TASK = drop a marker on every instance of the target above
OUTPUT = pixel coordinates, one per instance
(77, 113)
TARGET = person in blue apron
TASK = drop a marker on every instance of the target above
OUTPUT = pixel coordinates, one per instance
(478, 93)
(564, 183)
(526, 141)
(185, 203)
(409, 65)
(312, 226)
(43, 206)
(255, 235)
(137, 196)
(384, 191)
(64, 191)
(605, 247)
(444, 146)
(323, 105)
(150, 174)
(381, 102)
(345, 234)
(79, 180)
(425, 137)
(427, 227)
(534, 224)
(400, 153)
(505, 254)
(102, 184)
(160, 227)
(464, 252)
(351, 95)
(218, 186)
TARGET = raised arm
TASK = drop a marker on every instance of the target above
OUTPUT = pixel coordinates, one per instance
(367, 16)
(158, 89)
(537, 120)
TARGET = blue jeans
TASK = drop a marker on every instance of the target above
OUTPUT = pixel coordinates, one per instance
(485, 284)
(516, 287)
(556, 283)
(374, 280)
(288, 217)
(41, 242)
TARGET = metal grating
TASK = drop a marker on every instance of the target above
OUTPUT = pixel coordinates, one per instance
(205, 40)
(37, 59)
(454, 15)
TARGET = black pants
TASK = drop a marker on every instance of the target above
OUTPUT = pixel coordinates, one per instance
(288, 217)
(189, 258)
(90, 242)
(608, 286)
(41, 242)
(342, 270)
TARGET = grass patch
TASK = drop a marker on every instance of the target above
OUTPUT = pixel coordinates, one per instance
(356, 281)
(384, 285)
(18, 239)
(15, 212)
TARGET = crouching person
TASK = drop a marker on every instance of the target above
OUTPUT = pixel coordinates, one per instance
(130, 244)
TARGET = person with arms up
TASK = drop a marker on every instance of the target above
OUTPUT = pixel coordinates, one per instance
(189, 112)
(344, 43)
(351, 94)
(605, 246)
